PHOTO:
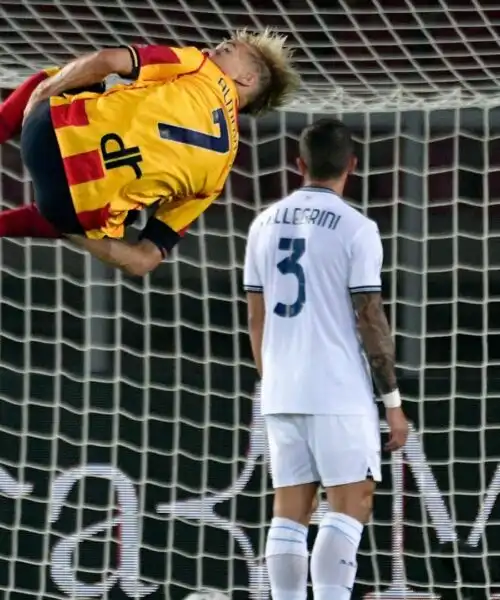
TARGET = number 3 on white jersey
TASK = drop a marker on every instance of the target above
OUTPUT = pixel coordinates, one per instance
(290, 265)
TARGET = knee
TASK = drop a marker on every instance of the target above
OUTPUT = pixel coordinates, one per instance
(365, 508)
(296, 504)
(359, 508)
(294, 511)
(353, 500)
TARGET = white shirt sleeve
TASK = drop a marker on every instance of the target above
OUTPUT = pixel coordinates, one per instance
(367, 256)
(252, 281)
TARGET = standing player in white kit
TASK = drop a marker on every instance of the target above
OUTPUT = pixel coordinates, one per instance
(312, 276)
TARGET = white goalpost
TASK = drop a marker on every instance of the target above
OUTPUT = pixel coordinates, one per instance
(132, 456)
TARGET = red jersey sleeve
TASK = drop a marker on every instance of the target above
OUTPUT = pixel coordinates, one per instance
(157, 63)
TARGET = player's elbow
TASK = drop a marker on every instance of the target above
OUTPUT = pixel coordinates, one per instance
(114, 60)
(255, 311)
(255, 322)
(146, 258)
(138, 269)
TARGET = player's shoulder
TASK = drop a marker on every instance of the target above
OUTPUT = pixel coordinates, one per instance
(351, 214)
(366, 225)
(256, 226)
(157, 54)
(356, 223)
(352, 219)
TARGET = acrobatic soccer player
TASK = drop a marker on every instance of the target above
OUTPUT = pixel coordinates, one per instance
(166, 141)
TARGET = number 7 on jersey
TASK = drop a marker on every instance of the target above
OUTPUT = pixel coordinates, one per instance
(191, 137)
(290, 266)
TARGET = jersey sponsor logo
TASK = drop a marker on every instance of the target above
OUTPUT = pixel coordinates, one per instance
(116, 155)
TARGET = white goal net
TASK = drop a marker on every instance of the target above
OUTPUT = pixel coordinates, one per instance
(132, 460)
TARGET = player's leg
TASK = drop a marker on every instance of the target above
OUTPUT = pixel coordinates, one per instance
(12, 108)
(347, 453)
(53, 213)
(42, 158)
(294, 481)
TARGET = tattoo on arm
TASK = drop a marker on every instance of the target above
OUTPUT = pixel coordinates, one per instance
(377, 339)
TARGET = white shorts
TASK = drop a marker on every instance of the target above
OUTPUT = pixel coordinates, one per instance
(330, 449)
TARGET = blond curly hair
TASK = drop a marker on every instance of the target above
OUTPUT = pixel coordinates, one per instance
(278, 79)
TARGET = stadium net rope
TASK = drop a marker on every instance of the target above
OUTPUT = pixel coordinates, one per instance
(132, 457)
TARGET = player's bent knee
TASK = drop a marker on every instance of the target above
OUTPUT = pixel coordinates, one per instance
(365, 508)
(295, 502)
(353, 499)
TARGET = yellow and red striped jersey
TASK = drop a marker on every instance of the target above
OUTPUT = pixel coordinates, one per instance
(170, 138)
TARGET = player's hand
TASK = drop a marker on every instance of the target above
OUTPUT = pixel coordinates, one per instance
(32, 102)
(36, 97)
(398, 427)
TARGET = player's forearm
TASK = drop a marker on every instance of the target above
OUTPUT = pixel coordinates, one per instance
(377, 340)
(86, 70)
(134, 259)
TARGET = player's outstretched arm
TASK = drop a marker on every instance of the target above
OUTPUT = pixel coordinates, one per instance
(84, 71)
(135, 259)
(161, 234)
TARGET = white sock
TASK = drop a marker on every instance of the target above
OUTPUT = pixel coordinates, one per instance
(333, 559)
(287, 559)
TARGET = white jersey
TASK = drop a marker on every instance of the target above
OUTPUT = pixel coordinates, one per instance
(307, 253)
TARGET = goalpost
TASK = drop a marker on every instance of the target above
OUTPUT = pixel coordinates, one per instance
(132, 455)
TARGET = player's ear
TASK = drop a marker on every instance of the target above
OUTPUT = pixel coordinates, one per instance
(353, 163)
(249, 79)
(301, 166)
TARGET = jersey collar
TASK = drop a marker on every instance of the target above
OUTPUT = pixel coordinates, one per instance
(317, 188)
(215, 69)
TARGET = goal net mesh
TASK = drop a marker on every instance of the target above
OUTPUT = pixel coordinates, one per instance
(132, 457)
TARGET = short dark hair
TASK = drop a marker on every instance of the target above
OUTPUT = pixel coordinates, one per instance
(326, 147)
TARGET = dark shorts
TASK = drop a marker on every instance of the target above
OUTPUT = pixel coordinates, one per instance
(41, 156)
